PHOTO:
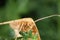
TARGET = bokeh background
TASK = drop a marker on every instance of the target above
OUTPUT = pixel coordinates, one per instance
(49, 29)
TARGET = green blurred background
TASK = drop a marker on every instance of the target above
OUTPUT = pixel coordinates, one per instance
(15, 9)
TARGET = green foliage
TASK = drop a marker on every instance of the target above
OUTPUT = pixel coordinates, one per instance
(13, 9)
(26, 35)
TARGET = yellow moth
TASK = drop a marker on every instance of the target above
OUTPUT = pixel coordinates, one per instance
(24, 25)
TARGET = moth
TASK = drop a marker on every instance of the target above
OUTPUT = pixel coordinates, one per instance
(25, 25)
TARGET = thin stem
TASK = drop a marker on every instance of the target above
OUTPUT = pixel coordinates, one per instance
(35, 20)
(46, 17)
(8, 22)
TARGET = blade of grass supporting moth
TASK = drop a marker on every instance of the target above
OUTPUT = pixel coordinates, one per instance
(35, 20)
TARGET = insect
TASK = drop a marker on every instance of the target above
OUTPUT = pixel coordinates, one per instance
(25, 24)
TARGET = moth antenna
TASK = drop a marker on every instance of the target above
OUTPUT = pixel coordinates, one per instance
(46, 17)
